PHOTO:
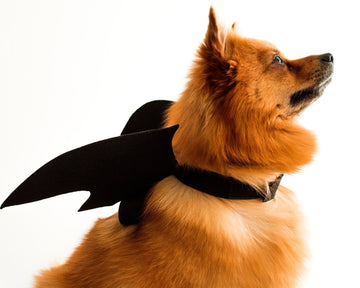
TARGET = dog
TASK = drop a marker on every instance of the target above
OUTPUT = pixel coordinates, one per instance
(237, 118)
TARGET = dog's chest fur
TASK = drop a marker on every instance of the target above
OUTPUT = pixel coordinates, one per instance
(191, 239)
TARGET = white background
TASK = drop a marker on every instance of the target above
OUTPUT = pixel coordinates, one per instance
(72, 72)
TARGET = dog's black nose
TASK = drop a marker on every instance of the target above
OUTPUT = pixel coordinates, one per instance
(328, 57)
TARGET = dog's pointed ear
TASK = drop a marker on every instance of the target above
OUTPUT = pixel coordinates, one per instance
(212, 34)
(218, 67)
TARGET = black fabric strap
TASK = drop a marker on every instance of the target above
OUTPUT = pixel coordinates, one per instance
(221, 186)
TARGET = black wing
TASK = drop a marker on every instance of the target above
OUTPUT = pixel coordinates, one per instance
(120, 168)
(149, 116)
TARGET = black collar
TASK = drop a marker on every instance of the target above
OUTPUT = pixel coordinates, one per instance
(222, 186)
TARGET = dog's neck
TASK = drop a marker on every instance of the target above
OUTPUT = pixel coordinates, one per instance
(256, 158)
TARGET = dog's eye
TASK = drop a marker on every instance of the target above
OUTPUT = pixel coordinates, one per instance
(278, 60)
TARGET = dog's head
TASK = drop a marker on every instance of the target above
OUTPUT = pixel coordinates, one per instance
(243, 95)
(255, 74)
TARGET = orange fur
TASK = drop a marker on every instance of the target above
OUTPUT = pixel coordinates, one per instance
(235, 119)
(190, 239)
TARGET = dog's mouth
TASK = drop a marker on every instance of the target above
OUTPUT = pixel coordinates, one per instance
(305, 97)
(308, 95)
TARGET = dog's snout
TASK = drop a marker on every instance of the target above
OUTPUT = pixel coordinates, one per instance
(328, 57)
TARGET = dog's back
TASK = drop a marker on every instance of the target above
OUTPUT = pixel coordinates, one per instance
(190, 239)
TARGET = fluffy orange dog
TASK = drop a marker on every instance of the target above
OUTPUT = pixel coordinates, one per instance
(237, 118)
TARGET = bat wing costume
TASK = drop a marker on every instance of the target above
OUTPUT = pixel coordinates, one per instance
(124, 168)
